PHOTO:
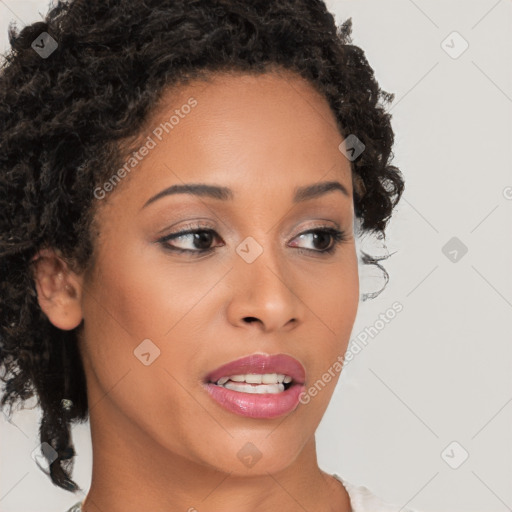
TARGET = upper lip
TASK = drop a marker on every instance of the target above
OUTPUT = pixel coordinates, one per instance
(260, 364)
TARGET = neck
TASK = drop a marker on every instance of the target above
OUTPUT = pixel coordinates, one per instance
(132, 472)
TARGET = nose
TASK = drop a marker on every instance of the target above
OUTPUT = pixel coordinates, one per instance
(263, 293)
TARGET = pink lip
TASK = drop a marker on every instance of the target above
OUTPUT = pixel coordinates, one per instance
(267, 405)
(257, 406)
(259, 363)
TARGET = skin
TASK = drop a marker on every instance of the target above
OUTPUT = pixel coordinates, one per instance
(159, 441)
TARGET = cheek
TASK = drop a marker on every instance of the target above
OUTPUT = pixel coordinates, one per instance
(334, 304)
(133, 303)
(333, 297)
(148, 297)
(136, 300)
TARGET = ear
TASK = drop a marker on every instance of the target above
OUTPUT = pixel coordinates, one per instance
(59, 289)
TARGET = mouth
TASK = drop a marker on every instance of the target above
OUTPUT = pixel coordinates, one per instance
(258, 386)
(256, 383)
(259, 369)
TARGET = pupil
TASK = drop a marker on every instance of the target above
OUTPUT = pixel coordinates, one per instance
(327, 236)
(202, 237)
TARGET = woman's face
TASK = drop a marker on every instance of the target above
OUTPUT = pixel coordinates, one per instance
(157, 321)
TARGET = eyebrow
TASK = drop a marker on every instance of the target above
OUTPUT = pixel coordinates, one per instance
(223, 193)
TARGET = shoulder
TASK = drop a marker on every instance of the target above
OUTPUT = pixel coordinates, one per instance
(77, 507)
(363, 500)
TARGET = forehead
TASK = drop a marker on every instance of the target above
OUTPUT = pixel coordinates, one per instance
(260, 100)
(245, 131)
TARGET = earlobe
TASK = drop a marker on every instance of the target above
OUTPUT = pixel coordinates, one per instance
(59, 289)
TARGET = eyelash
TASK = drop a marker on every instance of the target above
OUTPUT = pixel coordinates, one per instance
(338, 236)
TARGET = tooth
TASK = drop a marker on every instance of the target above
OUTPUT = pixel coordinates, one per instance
(253, 378)
(259, 390)
(269, 378)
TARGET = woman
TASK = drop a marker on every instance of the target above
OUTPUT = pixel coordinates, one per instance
(169, 169)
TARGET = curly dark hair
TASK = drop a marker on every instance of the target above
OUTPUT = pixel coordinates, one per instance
(64, 118)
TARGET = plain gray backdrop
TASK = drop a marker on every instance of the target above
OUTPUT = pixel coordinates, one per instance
(422, 414)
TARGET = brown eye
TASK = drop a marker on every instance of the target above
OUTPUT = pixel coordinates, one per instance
(191, 241)
(199, 240)
(321, 239)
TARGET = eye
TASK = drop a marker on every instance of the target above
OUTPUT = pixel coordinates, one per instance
(323, 237)
(197, 240)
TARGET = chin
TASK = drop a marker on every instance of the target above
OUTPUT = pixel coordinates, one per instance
(256, 455)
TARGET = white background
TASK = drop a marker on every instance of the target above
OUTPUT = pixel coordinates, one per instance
(441, 370)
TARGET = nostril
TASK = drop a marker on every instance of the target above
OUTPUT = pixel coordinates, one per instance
(250, 319)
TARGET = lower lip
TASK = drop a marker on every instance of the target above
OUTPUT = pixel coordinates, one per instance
(268, 405)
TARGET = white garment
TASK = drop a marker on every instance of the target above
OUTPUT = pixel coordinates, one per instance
(361, 500)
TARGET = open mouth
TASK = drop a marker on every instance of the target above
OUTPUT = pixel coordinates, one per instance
(258, 386)
(267, 383)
